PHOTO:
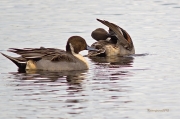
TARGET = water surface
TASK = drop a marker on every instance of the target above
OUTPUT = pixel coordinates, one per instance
(126, 87)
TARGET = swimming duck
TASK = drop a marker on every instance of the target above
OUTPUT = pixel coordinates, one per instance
(115, 42)
(52, 59)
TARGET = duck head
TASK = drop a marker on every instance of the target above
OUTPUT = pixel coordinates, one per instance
(99, 34)
(75, 44)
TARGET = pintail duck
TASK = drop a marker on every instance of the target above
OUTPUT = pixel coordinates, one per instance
(52, 59)
(115, 42)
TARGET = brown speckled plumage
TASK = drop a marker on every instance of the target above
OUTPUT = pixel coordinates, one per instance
(119, 42)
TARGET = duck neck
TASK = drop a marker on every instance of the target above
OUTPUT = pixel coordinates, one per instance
(79, 56)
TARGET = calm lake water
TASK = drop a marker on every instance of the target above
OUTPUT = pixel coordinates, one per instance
(146, 85)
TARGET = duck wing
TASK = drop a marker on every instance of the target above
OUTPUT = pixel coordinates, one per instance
(36, 54)
(123, 37)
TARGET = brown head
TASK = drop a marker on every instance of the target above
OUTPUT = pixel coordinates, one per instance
(99, 34)
(75, 44)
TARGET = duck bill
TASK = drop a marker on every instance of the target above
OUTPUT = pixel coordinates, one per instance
(90, 48)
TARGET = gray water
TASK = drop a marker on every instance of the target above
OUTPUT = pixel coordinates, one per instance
(146, 85)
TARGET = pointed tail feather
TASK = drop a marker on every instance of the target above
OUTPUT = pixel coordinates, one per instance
(18, 61)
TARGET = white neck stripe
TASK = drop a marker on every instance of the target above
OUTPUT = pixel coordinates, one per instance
(72, 49)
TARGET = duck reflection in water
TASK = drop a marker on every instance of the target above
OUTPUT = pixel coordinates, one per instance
(73, 77)
(112, 68)
(114, 60)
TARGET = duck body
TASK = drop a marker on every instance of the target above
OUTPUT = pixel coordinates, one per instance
(116, 42)
(106, 48)
(56, 66)
(52, 59)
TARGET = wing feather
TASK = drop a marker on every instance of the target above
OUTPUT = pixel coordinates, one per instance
(119, 34)
(52, 54)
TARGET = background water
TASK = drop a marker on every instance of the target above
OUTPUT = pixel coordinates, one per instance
(133, 87)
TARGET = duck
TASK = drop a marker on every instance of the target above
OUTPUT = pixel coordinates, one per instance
(115, 42)
(52, 59)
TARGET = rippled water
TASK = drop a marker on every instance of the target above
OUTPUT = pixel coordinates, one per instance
(145, 85)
